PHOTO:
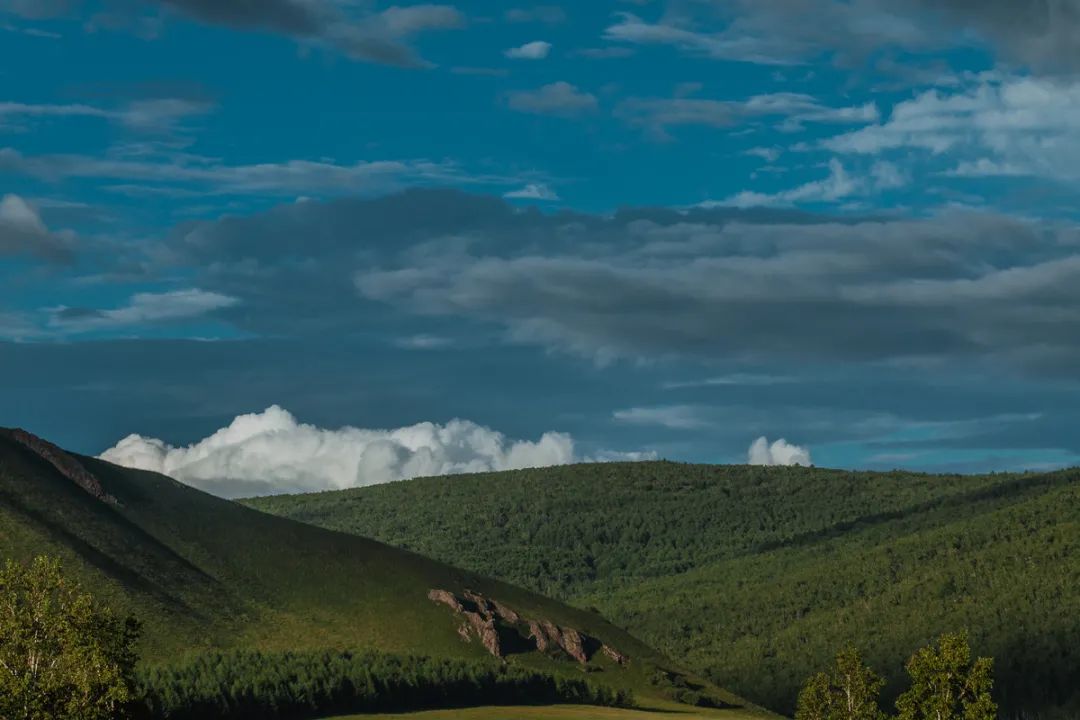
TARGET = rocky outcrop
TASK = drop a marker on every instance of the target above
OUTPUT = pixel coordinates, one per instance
(499, 627)
(64, 463)
(545, 634)
(614, 654)
(573, 643)
(549, 636)
(493, 608)
(446, 598)
(487, 632)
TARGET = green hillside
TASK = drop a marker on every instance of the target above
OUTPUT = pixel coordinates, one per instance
(204, 573)
(755, 576)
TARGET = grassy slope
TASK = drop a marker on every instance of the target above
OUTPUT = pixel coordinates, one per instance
(203, 572)
(560, 712)
(757, 575)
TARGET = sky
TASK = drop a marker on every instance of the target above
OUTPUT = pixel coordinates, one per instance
(289, 241)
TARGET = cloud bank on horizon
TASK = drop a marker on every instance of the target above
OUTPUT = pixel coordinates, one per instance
(780, 452)
(272, 453)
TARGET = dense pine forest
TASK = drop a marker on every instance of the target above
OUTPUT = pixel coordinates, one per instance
(757, 576)
(239, 685)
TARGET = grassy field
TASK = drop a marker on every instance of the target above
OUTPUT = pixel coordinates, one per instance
(562, 712)
(204, 573)
(756, 576)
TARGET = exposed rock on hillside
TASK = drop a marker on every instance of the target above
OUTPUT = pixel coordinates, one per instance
(500, 629)
(615, 655)
(65, 464)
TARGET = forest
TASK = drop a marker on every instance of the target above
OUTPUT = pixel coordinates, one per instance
(247, 684)
(757, 576)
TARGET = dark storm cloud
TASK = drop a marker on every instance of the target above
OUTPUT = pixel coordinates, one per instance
(37, 9)
(381, 37)
(288, 16)
(1042, 34)
(716, 284)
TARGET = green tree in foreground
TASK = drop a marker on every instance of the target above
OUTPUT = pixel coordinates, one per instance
(849, 692)
(61, 656)
(947, 685)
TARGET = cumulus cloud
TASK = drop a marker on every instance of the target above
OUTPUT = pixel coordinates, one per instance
(991, 125)
(557, 98)
(536, 50)
(780, 452)
(271, 452)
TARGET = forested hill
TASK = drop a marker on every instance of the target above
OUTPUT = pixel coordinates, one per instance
(756, 575)
(206, 574)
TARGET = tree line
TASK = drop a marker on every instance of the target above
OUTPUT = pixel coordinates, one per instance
(244, 684)
(64, 656)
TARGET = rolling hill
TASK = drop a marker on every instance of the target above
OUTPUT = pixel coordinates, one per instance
(206, 574)
(755, 576)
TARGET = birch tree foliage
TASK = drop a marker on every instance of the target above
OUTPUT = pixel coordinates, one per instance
(849, 691)
(947, 684)
(62, 656)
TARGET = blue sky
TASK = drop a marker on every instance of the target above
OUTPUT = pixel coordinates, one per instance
(664, 227)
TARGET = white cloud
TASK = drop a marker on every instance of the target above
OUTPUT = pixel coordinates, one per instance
(23, 230)
(778, 453)
(793, 110)
(837, 186)
(991, 126)
(768, 154)
(536, 50)
(271, 452)
(150, 115)
(16, 214)
(533, 191)
(180, 172)
(557, 98)
(142, 309)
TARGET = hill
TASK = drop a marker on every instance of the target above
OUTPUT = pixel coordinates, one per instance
(204, 573)
(756, 576)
